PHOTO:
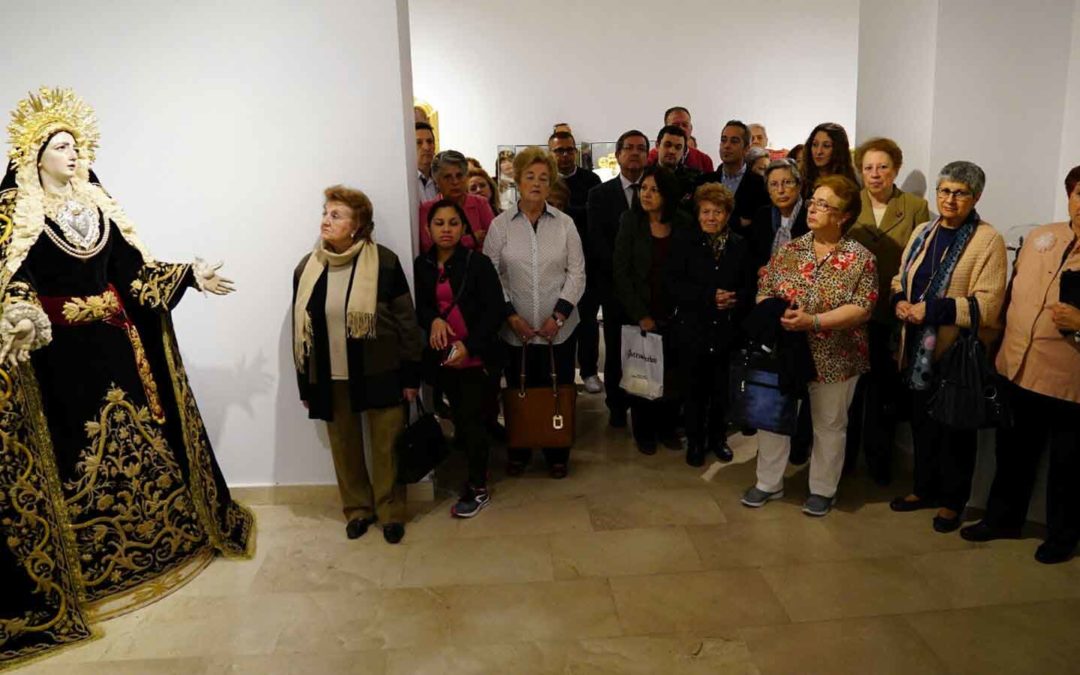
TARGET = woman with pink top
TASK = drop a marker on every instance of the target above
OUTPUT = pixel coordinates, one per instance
(459, 303)
(450, 170)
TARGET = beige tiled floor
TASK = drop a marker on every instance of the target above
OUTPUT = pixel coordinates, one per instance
(633, 564)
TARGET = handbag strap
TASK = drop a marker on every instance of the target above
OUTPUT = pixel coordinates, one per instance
(457, 295)
(973, 310)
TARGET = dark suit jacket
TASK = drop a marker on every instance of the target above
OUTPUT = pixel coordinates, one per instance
(605, 205)
(763, 229)
(580, 184)
(751, 195)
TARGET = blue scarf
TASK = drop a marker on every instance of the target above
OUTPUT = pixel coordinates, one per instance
(920, 369)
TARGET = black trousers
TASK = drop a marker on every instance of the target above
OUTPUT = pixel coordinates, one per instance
(1041, 422)
(944, 457)
(588, 334)
(616, 399)
(653, 420)
(705, 376)
(538, 374)
(873, 413)
(468, 390)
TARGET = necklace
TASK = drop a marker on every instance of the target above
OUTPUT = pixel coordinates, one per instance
(77, 217)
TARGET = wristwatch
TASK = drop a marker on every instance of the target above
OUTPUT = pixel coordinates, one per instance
(558, 322)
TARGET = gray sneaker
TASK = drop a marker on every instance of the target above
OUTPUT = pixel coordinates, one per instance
(755, 498)
(817, 506)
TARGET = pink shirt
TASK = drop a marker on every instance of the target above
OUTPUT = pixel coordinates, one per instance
(444, 296)
(477, 210)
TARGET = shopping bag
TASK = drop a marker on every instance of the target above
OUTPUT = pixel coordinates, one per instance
(642, 363)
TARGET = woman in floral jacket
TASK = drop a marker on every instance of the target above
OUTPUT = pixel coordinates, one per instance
(829, 282)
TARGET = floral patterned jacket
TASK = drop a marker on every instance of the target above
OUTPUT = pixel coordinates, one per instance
(848, 276)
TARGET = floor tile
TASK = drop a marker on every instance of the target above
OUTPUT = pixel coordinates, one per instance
(991, 576)
(623, 552)
(652, 507)
(489, 560)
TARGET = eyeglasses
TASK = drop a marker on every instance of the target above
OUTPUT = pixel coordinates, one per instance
(823, 206)
(564, 151)
(946, 194)
(786, 183)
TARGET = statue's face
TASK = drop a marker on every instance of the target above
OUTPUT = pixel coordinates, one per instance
(59, 159)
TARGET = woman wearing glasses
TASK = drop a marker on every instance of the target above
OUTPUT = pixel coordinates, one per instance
(956, 257)
(888, 217)
(828, 283)
(774, 226)
(450, 170)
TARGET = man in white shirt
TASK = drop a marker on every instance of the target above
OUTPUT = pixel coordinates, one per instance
(425, 152)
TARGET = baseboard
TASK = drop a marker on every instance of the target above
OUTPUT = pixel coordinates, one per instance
(270, 495)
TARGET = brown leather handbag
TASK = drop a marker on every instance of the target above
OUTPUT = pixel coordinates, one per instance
(540, 417)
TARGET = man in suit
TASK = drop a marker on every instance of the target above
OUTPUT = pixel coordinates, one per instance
(605, 205)
(671, 153)
(694, 158)
(747, 186)
(579, 181)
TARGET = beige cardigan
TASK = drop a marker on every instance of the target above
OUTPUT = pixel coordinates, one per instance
(982, 272)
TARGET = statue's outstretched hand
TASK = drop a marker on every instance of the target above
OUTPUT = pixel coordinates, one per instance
(209, 281)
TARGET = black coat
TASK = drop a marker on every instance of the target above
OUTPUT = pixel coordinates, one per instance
(480, 301)
(763, 229)
(605, 205)
(380, 368)
(693, 277)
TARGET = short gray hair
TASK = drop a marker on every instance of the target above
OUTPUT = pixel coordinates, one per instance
(785, 163)
(968, 173)
(449, 158)
(755, 153)
(759, 125)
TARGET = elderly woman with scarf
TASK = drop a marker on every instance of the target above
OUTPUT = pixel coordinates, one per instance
(946, 262)
(357, 348)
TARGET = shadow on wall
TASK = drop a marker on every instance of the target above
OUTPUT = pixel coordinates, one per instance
(219, 389)
(301, 446)
(915, 183)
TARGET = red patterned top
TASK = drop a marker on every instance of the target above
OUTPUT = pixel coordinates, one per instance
(848, 276)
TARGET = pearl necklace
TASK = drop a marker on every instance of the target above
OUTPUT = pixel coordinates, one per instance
(79, 221)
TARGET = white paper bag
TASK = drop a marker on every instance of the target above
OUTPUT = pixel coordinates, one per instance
(642, 363)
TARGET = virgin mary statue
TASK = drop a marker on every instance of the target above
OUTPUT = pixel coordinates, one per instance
(110, 495)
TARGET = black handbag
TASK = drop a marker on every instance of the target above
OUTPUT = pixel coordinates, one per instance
(757, 402)
(968, 391)
(420, 447)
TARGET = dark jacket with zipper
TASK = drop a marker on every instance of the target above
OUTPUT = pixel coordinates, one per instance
(633, 262)
(379, 368)
(479, 293)
(694, 275)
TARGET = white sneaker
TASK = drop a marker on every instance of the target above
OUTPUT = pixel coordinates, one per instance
(593, 385)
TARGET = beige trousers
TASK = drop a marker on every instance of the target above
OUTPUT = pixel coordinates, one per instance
(366, 493)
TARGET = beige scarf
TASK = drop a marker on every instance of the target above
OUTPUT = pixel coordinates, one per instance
(359, 308)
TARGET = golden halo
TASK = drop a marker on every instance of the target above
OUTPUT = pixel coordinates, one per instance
(40, 115)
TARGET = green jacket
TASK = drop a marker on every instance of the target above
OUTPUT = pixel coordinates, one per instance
(903, 214)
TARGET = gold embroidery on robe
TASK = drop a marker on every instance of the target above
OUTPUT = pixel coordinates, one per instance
(33, 524)
(132, 515)
(158, 283)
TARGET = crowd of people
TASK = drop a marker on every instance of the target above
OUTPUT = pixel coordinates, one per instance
(816, 251)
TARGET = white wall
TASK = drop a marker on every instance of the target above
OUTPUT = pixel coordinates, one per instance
(897, 48)
(1070, 134)
(999, 96)
(503, 73)
(221, 124)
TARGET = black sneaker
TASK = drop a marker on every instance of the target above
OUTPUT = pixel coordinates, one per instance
(393, 533)
(471, 503)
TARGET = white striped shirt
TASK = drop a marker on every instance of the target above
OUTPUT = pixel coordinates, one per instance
(537, 267)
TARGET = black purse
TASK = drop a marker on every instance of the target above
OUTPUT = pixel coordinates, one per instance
(420, 447)
(757, 401)
(968, 391)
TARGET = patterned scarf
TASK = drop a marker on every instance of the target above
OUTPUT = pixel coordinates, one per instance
(920, 370)
(717, 242)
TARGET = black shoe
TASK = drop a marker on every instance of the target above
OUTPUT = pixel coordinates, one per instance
(722, 451)
(617, 419)
(497, 432)
(695, 454)
(646, 447)
(982, 531)
(357, 527)
(946, 525)
(1052, 553)
(748, 431)
(903, 505)
(393, 532)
